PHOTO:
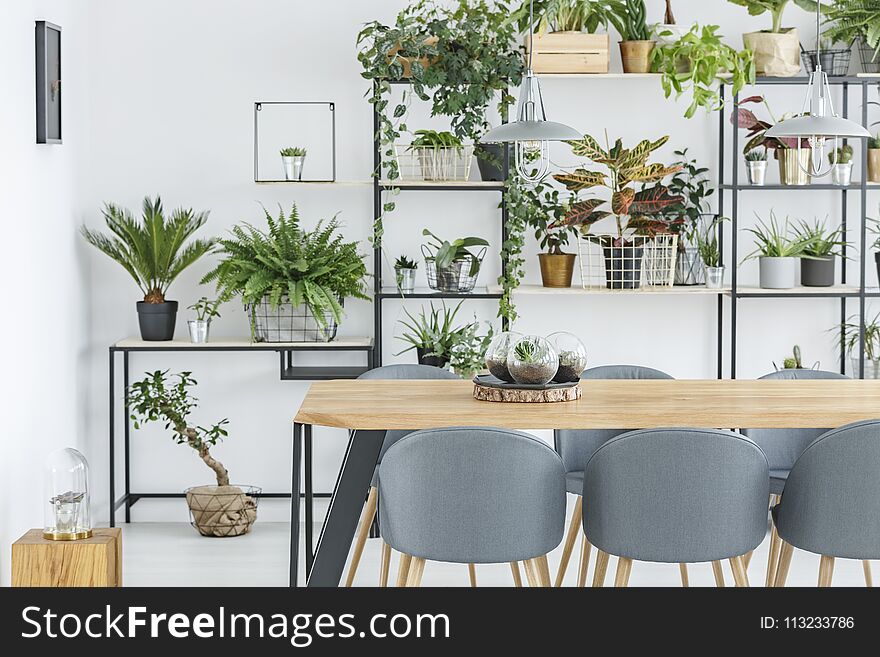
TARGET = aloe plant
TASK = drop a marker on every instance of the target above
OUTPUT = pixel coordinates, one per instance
(403, 262)
(773, 241)
(820, 241)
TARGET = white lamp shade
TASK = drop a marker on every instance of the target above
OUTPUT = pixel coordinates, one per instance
(809, 126)
(530, 131)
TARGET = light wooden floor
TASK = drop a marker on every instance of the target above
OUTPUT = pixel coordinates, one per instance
(173, 554)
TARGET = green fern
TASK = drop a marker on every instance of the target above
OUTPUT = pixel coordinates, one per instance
(289, 264)
(151, 249)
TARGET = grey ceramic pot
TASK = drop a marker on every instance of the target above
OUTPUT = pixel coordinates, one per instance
(157, 320)
(818, 272)
(778, 273)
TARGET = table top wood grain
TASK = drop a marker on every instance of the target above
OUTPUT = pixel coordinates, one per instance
(608, 404)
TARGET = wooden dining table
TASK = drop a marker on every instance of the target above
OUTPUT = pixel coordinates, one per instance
(367, 408)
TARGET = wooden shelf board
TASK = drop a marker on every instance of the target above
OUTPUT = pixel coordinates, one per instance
(540, 290)
(350, 343)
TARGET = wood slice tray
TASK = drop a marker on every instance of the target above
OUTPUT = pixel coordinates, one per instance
(490, 388)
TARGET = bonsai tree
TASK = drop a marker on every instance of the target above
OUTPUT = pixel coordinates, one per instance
(152, 249)
(635, 212)
(158, 399)
(289, 264)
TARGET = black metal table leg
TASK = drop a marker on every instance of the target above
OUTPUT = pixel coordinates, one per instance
(310, 547)
(346, 504)
(294, 504)
(127, 425)
(112, 446)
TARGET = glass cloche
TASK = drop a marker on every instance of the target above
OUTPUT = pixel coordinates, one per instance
(572, 356)
(66, 513)
(496, 355)
(532, 360)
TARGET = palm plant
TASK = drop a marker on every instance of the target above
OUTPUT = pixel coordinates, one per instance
(152, 249)
(289, 264)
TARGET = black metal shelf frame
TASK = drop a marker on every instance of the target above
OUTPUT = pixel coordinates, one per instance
(734, 188)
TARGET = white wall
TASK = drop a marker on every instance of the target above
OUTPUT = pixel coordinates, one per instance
(45, 327)
(171, 86)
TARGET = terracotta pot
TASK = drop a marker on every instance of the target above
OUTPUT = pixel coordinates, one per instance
(874, 165)
(406, 62)
(636, 56)
(777, 54)
(556, 269)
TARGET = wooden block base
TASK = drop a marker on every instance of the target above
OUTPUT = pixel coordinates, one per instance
(94, 561)
(485, 393)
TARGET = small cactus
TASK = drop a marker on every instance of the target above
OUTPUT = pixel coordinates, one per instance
(794, 361)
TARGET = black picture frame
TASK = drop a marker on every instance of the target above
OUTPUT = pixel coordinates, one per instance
(331, 108)
(48, 43)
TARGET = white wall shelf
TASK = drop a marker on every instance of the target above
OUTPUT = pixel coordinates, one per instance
(576, 290)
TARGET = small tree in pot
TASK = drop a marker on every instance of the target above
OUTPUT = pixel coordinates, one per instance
(544, 211)
(153, 250)
(220, 510)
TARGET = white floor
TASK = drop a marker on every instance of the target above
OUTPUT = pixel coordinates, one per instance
(173, 554)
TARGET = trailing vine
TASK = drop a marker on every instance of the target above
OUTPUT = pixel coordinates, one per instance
(519, 204)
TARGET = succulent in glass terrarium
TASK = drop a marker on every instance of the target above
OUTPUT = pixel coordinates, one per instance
(496, 355)
(572, 356)
(67, 513)
(532, 360)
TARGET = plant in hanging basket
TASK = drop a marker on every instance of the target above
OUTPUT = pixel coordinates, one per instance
(452, 266)
(221, 510)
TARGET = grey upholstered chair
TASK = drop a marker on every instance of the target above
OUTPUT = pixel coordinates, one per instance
(831, 504)
(782, 448)
(675, 496)
(472, 495)
(576, 447)
(388, 372)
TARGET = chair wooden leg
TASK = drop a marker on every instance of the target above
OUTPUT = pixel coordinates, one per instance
(747, 559)
(544, 570)
(586, 548)
(826, 571)
(531, 573)
(403, 572)
(573, 530)
(739, 573)
(416, 569)
(719, 574)
(784, 563)
(869, 579)
(683, 570)
(385, 566)
(775, 546)
(600, 569)
(624, 568)
(472, 575)
(517, 578)
(362, 533)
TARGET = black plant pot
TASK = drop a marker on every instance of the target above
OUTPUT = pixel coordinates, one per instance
(433, 361)
(817, 273)
(877, 262)
(490, 159)
(623, 267)
(157, 320)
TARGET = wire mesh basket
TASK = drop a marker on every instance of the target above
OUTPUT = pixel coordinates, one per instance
(870, 58)
(434, 163)
(634, 263)
(287, 323)
(456, 278)
(834, 62)
(223, 511)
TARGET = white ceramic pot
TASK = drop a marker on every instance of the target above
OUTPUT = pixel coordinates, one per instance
(841, 174)
(778, 273)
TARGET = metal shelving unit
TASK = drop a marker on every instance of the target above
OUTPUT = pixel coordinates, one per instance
(845, 290)
(382, 292)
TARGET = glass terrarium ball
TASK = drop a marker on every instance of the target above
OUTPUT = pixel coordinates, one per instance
(66, 515)
(496, 355)
(572, 356)
(532, 360)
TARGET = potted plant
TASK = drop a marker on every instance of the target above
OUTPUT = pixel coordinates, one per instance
(696, 62)
(405, 274)
(793, 362)
(873, 226)
(468, 355)
(777, 254)
(710, 253)
(756, 166)
(440, 156)
(154, 251)
(669, 31)
(638, 215)
(856, 21)
(693, 186)
(451, 266)
(636, 45)
(794, 163)
(564, 38)
(200, 327)
(777, 51)
(874, 158)
(543, 209)
(532, 361)
(841, 165)
(851, 338)
(292, 281)
(292, 159)
(433, 335)
(222, 510)
(821, 246)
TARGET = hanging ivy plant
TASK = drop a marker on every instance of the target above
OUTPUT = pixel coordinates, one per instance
(519, 200)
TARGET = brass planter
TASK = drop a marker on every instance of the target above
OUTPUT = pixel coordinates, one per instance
(791, 169)
(636, 56)
(874, 165)
(556, 269)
